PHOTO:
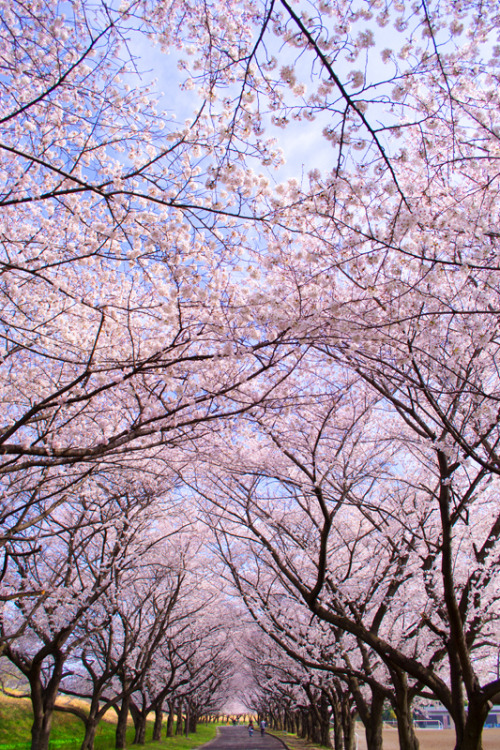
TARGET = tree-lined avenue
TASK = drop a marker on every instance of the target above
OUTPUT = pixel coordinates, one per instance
(250, 406)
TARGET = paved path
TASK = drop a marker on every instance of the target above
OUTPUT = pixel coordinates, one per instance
(237, 738)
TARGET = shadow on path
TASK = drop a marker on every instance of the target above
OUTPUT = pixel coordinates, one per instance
(237, 738)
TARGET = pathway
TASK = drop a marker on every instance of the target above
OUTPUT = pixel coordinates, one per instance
(237, 738)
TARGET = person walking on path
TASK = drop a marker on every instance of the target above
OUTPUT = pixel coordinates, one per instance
(250, 728)
(262, 727)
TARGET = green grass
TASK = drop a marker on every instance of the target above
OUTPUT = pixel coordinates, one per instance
(15, 719)
(67, 731)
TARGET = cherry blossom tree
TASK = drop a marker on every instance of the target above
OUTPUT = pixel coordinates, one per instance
(125, 327)
(322, 503)
(122, 325)
(85, 545)
(340, 329)
(127, 646)
(385, 260)
(163, 641)
(187, 655)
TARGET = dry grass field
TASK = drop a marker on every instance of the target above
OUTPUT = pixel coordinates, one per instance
(433, 739)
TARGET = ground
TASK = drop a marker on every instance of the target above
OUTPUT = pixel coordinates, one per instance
(429, 739)
(433, 739)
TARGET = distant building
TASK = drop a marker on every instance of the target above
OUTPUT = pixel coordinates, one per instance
(439, 713)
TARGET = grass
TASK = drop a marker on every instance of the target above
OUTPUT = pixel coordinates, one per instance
(204, 733)
(67, 731)
(293, 741)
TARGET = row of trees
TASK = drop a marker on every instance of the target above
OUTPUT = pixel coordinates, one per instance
(116, 305)
(314, 361)
(113, 604)
(336, 513)
(356, 509)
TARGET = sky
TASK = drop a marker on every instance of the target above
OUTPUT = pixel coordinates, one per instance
(303, 144)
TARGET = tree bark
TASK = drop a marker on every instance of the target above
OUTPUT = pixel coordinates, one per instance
(193, 721)
(348, 724)
(170, 720)
(43, 700)
(402, 707)
(180, 722)
(90, 729)
(298, 723)
(369, 713)
(140, 728)
(121, 726)
(471, 738)
(336, 718)
(324, 712)
(314, 727)
(158, 724)
(373, 727)
(304, 724)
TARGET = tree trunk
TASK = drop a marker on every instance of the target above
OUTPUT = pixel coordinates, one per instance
(140, 728)
(457, 708)
(303, 724)
(316, 710)
(314, 727)
(179, 725)
(306, 726)
(471, 737)
(348, 724)
(373, 727)
(298, 723)
(90, 729)
(193, 721)
(468, 728)
(92, 720)
(324, 712)
(40, 731)
(43, 701)
(402, 707)
(289, 722)
(337, 722)
(170, 720)
(121, 726)
(158, 724)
